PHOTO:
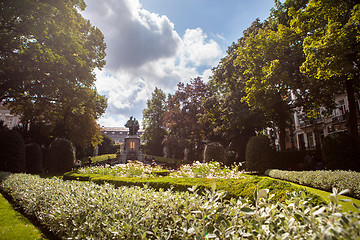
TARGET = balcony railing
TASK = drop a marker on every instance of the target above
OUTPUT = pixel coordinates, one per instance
(311, 122)
(338, 119)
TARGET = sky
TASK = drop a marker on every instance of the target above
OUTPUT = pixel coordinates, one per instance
(159, 43)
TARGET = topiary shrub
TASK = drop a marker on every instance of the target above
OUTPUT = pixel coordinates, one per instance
(33, 158)
(60, 157)
(230, 157)
(214, 151)
(341, 151)
(259, 154)
(12, 153)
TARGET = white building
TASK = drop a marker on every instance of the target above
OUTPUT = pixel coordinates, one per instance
(9, 119)
(309, 134)
(118, 134)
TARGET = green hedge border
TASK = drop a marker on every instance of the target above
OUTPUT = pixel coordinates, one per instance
(237, 188)
(325, 180)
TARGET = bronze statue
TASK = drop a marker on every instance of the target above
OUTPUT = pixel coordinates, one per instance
(133, 125)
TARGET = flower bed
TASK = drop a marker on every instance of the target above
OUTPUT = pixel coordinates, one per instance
(79, 210)
(131, 169)
(210, 170)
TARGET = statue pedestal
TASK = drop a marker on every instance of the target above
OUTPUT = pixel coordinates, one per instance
(132, 148)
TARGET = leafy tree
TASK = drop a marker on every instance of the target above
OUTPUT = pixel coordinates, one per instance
(183, 111)
(231, 121)
(48, 55)
(107, 146)
(153, 117)
(269, 61)
(331, 46)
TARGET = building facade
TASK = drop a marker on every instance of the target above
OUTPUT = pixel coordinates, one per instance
(9, 119)
(118, 134)
(308, 134)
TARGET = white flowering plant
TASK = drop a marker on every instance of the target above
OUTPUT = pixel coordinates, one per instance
(131, 169)
(207, 170)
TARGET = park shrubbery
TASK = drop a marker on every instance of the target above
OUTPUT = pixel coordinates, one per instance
(341, 151)
(204, 175)
(326, 180)
(79, 210)
(259, 154)
(12, 151)
(33, 158)
(60, 157)
(214, 151)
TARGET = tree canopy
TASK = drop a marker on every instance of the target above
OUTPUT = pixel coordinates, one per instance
(332, 49)
(153, 117)
(48, 53)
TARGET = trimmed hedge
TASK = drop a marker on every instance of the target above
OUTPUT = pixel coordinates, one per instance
(325, 180)
(259, 154)
(12, 151)
(170, 162)
(214, 151)
(238, 188)
(61, 156)
(341, 151)
(33, 158)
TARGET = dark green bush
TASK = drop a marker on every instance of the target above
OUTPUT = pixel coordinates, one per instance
(33, 158)
(12, 152)
(214, 151)
(60, 157)
(107, 146)
(259, 154)
(341, 151)
(230, 157)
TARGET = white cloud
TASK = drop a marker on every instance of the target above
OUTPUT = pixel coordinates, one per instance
(199, 51)
(143, 52)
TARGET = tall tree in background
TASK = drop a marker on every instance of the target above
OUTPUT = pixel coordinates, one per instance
(229, 120)
(332, 48)
(181, 118)
(153, 117)
(48, 53)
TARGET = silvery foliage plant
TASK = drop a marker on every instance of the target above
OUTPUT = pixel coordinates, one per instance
(80, 210)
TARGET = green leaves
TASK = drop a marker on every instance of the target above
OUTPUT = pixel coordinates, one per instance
(73, 209)
(48, 58)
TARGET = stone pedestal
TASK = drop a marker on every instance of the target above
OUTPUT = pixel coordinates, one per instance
(132, 149)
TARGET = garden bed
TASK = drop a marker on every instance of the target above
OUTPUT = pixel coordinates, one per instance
(79, 210)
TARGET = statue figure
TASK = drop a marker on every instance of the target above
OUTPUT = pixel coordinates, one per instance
(133, 125)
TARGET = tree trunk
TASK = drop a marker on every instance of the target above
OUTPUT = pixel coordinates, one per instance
(352, 120)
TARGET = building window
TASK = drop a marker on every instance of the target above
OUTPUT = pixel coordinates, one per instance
(342, 107)
(310, 138)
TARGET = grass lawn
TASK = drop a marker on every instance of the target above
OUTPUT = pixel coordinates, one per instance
(99, 158)
(13, 225)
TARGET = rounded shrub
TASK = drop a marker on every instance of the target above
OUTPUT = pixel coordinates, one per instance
(214, 151)
(60, 157)
(259, 153)
(33, 158)
(341, 151)
(12, 153)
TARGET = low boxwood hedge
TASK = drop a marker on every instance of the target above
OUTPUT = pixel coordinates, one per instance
(238, 188)
(325, 180)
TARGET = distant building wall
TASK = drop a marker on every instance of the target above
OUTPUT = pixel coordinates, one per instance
(9, 119)
(118, 134)
(310, 133)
